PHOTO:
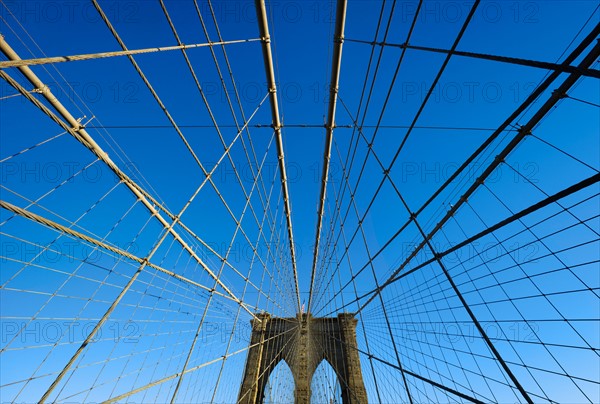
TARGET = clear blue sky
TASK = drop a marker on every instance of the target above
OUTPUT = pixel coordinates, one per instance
(472, 98)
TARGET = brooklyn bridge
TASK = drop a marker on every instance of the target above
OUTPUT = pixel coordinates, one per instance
(299, 202)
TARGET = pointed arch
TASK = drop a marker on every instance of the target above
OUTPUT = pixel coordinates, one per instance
(325, 384)
(280, 386)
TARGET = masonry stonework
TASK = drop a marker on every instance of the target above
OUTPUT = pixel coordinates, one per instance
(303, 342)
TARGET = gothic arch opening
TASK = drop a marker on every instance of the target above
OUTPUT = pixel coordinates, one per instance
(280, 386)
(312, 340)
(325, 385)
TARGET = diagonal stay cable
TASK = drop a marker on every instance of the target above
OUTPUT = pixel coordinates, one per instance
(101, 55)
(382, 302)
(409, 131)
(530, 99)
(351, 153)
(131, 185)
(408, 372)
(189, 370)
(218, 130)
(234, 85)
(119, 297)
(255, 176)
(208, 176)
(349, 163)
(74, 233)
(209, 301)
(82, 136)
(467, 307)
(265, 217)
(165, 110)
(522, 133)
(562, 68)
(533, 208)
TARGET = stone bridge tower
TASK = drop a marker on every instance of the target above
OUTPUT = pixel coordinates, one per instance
(303, 342)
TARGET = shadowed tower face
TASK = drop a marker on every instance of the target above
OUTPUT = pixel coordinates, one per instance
(303, 343)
